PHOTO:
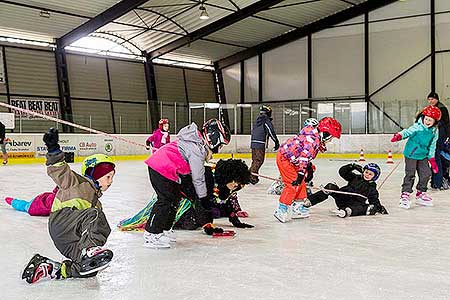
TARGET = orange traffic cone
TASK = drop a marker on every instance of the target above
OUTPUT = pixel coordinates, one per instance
(361, 155)
(390, 160)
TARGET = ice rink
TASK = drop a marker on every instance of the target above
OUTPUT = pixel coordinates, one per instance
(403, 255)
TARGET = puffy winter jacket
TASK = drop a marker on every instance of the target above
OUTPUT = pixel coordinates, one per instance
(421, 142)
(262, 128)
(357, 184)
(185, 156)
(74, 190)
(158, 139)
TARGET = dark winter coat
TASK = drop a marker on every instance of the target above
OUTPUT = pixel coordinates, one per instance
(262, 128)
(357, 184)
(2, 132)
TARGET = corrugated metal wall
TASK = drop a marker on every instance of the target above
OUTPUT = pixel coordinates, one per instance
(200, 86)
(127, 81)
(31, 72)
(87, 77)
(32, 75)
(170, 84)
(131, 117)
(95, 114)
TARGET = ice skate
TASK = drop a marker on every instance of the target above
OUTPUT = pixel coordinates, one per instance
(423, 199)
(276, 188)
(445, 186)
(156, 241)
(41, 267)
(299, 210)
(94, 259)
(282, 213)
(9, 200)
(344, 213)
(171, 235)
(405, 202)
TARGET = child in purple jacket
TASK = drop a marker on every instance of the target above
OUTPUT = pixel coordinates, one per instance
(41, 205)
(159, 137)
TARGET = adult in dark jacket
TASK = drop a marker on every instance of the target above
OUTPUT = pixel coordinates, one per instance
(262, 128)
(362, 183)
(444, 133)
(2, 143)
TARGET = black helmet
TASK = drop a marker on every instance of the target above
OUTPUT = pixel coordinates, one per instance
(215, 134)
(266, 109)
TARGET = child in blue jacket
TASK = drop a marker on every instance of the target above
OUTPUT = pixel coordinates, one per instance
(419, 153)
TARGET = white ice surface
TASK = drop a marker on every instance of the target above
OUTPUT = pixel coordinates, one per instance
(404, 255)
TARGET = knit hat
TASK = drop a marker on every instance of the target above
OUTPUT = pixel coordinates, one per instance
(433, 95)
(101, 170)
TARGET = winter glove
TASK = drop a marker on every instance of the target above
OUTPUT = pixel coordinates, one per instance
(206, 202)
(397, 137)
(309, 172)
(242, 214)
(299, 180)
(237, 223)
(51, 139)
(382, 210)
(434, 166)
(357, 167)
(277, 145)
(210, 229)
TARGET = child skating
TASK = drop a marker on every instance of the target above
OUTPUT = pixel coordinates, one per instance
(362, 182)
(419, 153)
(77, 224)
(292, 161)
(159, 137)
(185, 156)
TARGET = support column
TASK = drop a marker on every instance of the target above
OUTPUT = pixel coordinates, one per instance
(65, 101)
(433, 44)
(151, 92)
(241, 109)
(110, 96)
(366, 69)
(310, 77)
(220, 92)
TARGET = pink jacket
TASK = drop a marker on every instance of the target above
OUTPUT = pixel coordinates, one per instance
(185, 156)
(42, 204)
(158, 139)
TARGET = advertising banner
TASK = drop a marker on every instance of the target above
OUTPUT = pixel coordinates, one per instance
(48, 107)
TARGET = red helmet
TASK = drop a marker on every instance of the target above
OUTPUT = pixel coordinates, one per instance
(432, 112)
(162, 122)
(331, 126)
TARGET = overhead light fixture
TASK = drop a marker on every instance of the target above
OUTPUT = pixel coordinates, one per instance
(203, 13)
(44, 14)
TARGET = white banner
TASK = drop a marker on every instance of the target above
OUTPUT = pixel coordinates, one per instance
(48, 107)
(8, 120)
(2, 67)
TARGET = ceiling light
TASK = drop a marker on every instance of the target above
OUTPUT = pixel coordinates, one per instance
(44, 14)
(203, 13)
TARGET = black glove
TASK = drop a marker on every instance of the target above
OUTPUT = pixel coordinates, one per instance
(357, 167)
(382, 210)
(237, 223)
(206, 202)
(51, 139)
(277, 145)
(210, 229)
(299, 180)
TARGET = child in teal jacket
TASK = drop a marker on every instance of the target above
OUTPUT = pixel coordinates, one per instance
(419, 153)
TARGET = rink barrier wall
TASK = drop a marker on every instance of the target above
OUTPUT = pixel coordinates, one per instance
(29, 148)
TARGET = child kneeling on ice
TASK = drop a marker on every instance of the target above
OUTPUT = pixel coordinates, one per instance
(363, 183)
(419, 151)
(77, 224)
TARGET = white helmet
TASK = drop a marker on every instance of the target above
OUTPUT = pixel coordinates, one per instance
(311, 122)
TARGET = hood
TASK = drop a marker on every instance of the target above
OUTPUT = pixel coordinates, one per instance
(261, 119)
(190, 133)
(309, 130)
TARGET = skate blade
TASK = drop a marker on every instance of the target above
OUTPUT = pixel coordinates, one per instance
(152, 246)
(300, 216)
(226, 233)
(281, 220)
(96, 270)
(424, 204)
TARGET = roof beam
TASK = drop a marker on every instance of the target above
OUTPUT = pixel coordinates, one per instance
(214, 26)
(304, 31)
(98, 21)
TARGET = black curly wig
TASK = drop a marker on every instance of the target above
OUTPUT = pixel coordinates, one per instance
(231, 170)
